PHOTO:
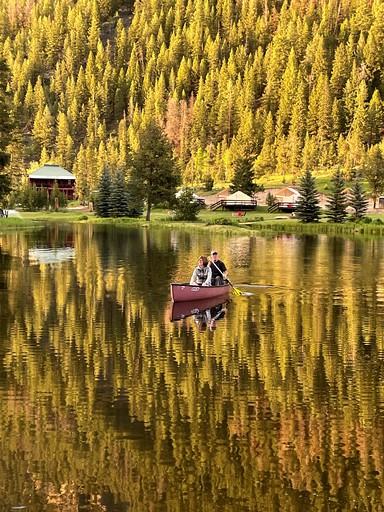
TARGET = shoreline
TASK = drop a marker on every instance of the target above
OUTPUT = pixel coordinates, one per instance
(223, 222)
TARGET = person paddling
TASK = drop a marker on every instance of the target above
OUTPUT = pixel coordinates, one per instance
(219, 270)
(202, 274)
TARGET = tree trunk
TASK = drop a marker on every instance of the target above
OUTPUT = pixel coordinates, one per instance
(149, 205)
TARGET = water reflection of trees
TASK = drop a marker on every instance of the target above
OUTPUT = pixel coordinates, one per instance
(281, 409)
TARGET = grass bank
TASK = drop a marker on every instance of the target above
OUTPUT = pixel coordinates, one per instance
(257, 221)
(16, 223)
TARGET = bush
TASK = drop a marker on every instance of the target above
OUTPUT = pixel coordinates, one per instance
(223, 221)
(186, 207)
(270, 199)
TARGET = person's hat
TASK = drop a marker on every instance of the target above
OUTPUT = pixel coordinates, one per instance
(214, 252)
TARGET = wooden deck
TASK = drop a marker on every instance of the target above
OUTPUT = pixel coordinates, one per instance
(230, 204)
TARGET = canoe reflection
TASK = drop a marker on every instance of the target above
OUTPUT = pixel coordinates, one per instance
(205, 312)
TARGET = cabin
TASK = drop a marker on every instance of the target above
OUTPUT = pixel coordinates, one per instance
(46, 176)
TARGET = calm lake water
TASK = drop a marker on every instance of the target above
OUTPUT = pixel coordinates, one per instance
(108, 405)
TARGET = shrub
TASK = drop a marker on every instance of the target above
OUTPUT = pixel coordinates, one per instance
(186, 207)
(270, 199)
(223, 221)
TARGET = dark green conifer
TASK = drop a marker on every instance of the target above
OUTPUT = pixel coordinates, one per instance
(374, 171)
(338, 200)
(358, 200)
(5, 131)
(58, 198)
(154, 171)
(119, 198)
(102, 203)
(308, 205)
(244, 175)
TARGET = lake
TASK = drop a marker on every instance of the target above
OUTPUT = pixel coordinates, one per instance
(109, 405)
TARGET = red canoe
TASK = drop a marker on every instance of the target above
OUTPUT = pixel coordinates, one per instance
(186, 292)
(180, 310)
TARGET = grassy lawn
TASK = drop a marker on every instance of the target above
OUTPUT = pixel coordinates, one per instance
(15, 223)
(225, 221)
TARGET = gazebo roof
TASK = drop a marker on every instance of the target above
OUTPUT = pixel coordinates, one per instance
(52, 171)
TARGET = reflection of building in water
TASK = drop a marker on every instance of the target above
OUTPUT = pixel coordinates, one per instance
(51, 255)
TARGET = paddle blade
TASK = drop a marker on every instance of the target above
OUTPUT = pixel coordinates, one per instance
(237, 291)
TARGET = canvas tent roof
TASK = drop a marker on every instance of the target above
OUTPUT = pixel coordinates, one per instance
(52, 171)
(223, 193)
(239, 196)
(195, 196)
(288, 193)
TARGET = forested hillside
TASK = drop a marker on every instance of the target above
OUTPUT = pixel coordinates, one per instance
(293, 85)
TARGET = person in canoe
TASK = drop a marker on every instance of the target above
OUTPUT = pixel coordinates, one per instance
(202, 275)
(219, 270)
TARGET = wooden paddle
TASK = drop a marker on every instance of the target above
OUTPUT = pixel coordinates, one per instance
(236, 290)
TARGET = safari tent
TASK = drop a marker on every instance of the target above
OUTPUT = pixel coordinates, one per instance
(239, 201)
(287, 195)
(239, 196)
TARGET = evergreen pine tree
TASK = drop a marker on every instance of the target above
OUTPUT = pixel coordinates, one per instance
(374, 171)
(102, 203)
(5, 131)
(154, 170)
(308, 205)
(57, 197)
(358, 200)
(266, 160)
(338, 200)
(244, 175)
(119, 199)
(135, 201)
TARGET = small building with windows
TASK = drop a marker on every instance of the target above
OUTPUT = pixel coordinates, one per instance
(46, 176)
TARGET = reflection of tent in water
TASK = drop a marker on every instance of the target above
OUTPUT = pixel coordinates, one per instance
(51, 255)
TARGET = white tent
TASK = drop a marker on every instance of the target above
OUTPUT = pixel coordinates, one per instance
(195, 197)
(239, 196)
(288, 195)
